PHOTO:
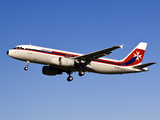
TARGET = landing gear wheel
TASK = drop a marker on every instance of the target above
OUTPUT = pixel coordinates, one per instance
(70, 78)
(26, 68)
(81, 73)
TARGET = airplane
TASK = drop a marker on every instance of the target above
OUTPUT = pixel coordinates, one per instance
(57, 61)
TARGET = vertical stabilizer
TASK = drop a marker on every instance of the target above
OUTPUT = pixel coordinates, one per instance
(135, 57)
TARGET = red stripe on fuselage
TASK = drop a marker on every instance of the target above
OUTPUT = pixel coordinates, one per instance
(74, 55)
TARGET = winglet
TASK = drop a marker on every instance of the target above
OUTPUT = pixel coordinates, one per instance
(121, 46)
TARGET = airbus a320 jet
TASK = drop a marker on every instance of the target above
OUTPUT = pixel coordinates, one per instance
(57, 61)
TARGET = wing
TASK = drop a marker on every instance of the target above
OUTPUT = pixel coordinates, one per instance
(98, 54)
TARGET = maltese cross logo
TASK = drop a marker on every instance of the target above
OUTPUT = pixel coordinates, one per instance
(138, 56)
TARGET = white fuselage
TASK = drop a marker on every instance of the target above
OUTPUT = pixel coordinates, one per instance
(46, 56)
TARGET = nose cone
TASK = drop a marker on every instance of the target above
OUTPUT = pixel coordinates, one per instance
(7, 52)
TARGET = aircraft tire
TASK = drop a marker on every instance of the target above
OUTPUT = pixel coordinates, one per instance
(26, 68)
(81, 73)
(70, 78)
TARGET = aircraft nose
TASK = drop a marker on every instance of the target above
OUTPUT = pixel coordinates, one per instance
(7, 52)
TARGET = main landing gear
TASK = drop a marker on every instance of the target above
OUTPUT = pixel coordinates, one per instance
(26, 68)
(81, 73)
(70, 78)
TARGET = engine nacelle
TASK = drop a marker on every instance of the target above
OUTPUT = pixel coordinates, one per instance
(62, 61)
(48, 70)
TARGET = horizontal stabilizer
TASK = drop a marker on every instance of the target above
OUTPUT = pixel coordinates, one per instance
(144, 65)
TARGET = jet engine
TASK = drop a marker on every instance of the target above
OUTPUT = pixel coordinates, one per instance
(62, 61)
(48, 70)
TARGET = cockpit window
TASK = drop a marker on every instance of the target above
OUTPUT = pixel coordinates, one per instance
(17, 48)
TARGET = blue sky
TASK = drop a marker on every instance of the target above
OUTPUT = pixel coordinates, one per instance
(81, 26)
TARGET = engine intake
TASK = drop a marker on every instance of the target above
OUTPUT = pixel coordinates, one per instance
(48, 70)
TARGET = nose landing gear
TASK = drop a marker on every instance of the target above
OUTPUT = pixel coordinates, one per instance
(26, 68)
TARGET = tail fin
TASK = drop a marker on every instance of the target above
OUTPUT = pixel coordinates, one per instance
(135, 57)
